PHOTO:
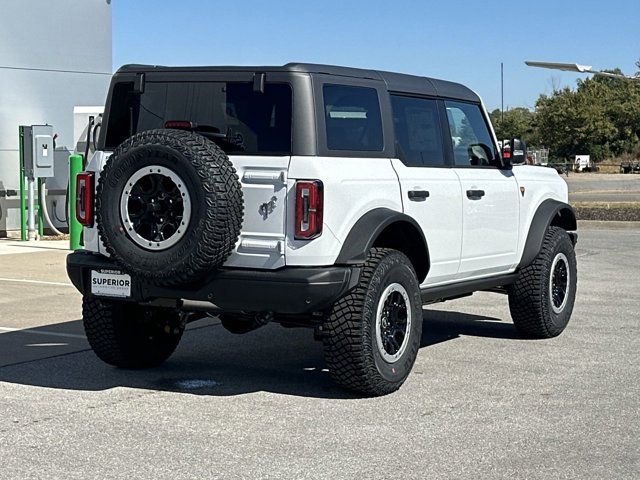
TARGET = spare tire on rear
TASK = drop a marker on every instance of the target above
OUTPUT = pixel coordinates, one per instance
(169, 206)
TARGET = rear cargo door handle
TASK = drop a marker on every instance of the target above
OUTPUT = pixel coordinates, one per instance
(475, 194)
(418, 195)
(260, 176)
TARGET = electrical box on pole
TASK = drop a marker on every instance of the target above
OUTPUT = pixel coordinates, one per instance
(38, 151)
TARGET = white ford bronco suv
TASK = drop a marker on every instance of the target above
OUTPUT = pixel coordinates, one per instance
(330, 197)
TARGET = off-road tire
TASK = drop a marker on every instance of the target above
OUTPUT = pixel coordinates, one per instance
(215, 197)
(529, 298)
(241, 323)
(349, 334)
(130, 336)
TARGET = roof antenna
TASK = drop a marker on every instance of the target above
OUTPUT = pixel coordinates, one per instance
(258, 82)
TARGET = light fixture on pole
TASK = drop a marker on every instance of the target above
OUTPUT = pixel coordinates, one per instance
(576, 68)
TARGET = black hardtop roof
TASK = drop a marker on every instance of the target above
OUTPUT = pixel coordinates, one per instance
(398, 82)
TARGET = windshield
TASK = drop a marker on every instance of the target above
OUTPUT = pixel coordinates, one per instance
(239, 119)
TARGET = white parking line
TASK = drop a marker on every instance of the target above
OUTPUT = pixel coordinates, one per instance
(41, 332)
(37, 282)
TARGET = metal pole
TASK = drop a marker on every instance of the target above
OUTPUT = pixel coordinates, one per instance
(23, 200)
(75, 229)
(39, 209)
(31, 221)
(501, 92)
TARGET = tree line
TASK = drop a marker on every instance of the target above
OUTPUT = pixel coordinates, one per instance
(600, 117)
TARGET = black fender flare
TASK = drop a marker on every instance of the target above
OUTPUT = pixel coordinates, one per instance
(546, 214)
(366, 230)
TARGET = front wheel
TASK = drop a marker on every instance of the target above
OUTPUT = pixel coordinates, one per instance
(128, 335)
(541, 300)
(372, 336)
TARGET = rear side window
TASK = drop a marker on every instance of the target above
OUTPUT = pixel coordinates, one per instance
(352, 118)
(232, 114)
(418, 134)
(470, 137)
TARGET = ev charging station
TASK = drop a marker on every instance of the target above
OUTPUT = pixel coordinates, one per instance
(37, 153)
(36, 164)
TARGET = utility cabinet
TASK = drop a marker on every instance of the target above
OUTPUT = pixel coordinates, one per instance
(38, 151)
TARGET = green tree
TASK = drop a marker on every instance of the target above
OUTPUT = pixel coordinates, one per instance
(601, 117)
(517, 123)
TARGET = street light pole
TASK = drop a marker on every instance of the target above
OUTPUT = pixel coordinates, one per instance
(501, 92)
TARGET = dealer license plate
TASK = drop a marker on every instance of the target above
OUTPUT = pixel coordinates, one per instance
(109, 283)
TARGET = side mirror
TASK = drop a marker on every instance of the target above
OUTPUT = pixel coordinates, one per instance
(518, 151)
(480, 154)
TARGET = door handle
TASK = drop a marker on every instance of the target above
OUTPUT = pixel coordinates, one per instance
(475, 194)
(417, 195)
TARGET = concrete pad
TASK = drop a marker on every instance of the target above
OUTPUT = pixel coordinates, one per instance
(41, 266)
(10, 246)
(28, 305)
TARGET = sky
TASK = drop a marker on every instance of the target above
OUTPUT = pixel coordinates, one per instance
(463, 41)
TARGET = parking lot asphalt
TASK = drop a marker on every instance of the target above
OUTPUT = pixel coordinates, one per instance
(596, 187)
(480, 403)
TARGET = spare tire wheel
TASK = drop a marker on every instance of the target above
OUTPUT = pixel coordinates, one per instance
(169, 206)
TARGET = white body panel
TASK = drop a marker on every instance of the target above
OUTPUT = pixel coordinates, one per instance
(439, 215)
(540, 184)
(490, 223)
(264, 190)
(352, 187)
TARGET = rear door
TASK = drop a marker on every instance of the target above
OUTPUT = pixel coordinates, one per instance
(250, 120)
(262, 122)
(430, 188)
(264, 190)
(491, 199)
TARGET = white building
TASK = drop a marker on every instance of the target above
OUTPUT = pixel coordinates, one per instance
(54, 55)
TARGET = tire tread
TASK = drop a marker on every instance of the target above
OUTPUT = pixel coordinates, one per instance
(111, 329)
(347, 341)
(223, 216)
(528, 295)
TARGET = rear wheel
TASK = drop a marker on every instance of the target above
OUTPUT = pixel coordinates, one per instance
(372, 335)
(130, 336)
(541, 300)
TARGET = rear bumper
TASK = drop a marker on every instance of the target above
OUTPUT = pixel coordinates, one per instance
(289, 290)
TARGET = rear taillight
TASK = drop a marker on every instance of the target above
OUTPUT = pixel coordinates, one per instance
(309, 203)
(84, 198)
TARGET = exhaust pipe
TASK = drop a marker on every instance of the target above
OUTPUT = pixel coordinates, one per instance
(198, 306)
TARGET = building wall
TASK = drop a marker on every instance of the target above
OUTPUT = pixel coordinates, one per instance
(54, 55)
